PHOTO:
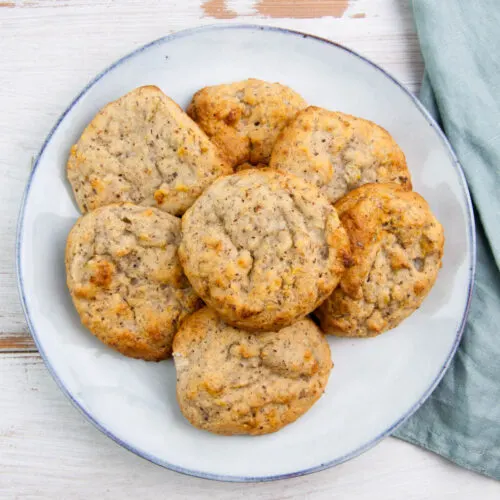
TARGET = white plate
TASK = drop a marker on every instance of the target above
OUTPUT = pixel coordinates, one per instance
(376, 383)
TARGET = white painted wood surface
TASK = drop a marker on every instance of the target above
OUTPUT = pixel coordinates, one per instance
(49, 49)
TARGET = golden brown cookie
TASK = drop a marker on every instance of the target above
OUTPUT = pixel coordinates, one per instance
(397, 246)
(143, 149)
(338, 152)
(232, 382)
(244, 118)
(263, 248)
(126, 280)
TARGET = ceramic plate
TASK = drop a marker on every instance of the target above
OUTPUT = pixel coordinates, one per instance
(376, 383)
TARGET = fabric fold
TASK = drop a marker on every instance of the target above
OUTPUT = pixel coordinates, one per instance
(461, 87)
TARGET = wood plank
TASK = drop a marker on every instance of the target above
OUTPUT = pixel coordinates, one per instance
(49, 450)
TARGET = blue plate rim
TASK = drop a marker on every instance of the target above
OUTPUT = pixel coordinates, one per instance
(322, 466)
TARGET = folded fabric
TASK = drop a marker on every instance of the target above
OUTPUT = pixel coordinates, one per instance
(460, 42)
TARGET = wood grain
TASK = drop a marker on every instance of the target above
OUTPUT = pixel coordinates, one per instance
(17, 342)
(305, 9)
(218, 9)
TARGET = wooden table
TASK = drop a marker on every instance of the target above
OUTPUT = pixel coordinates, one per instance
(49, 49)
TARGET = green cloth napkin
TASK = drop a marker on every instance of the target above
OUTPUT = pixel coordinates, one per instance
(460, 42)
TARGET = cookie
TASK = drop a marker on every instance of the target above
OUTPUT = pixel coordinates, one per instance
(244, 118)
(263, 248)
(232, 382)
(126, 280)
(143, 149)
(397, 246)
(338, 152)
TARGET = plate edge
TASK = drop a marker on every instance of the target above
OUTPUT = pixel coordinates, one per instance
(361, 449)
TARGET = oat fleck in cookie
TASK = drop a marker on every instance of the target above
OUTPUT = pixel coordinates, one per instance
(143, 149)
(397, 246)
(126, 280)
(248, 166)
(232, 382)
(263, 248)
(339, 152)
(244, 118)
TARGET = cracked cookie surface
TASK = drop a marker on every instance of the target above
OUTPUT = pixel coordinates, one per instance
(230, 381)
(143, 149)
(397, 246)
(126, 281)
(244, 118)
(263, 248)
(338, 152)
